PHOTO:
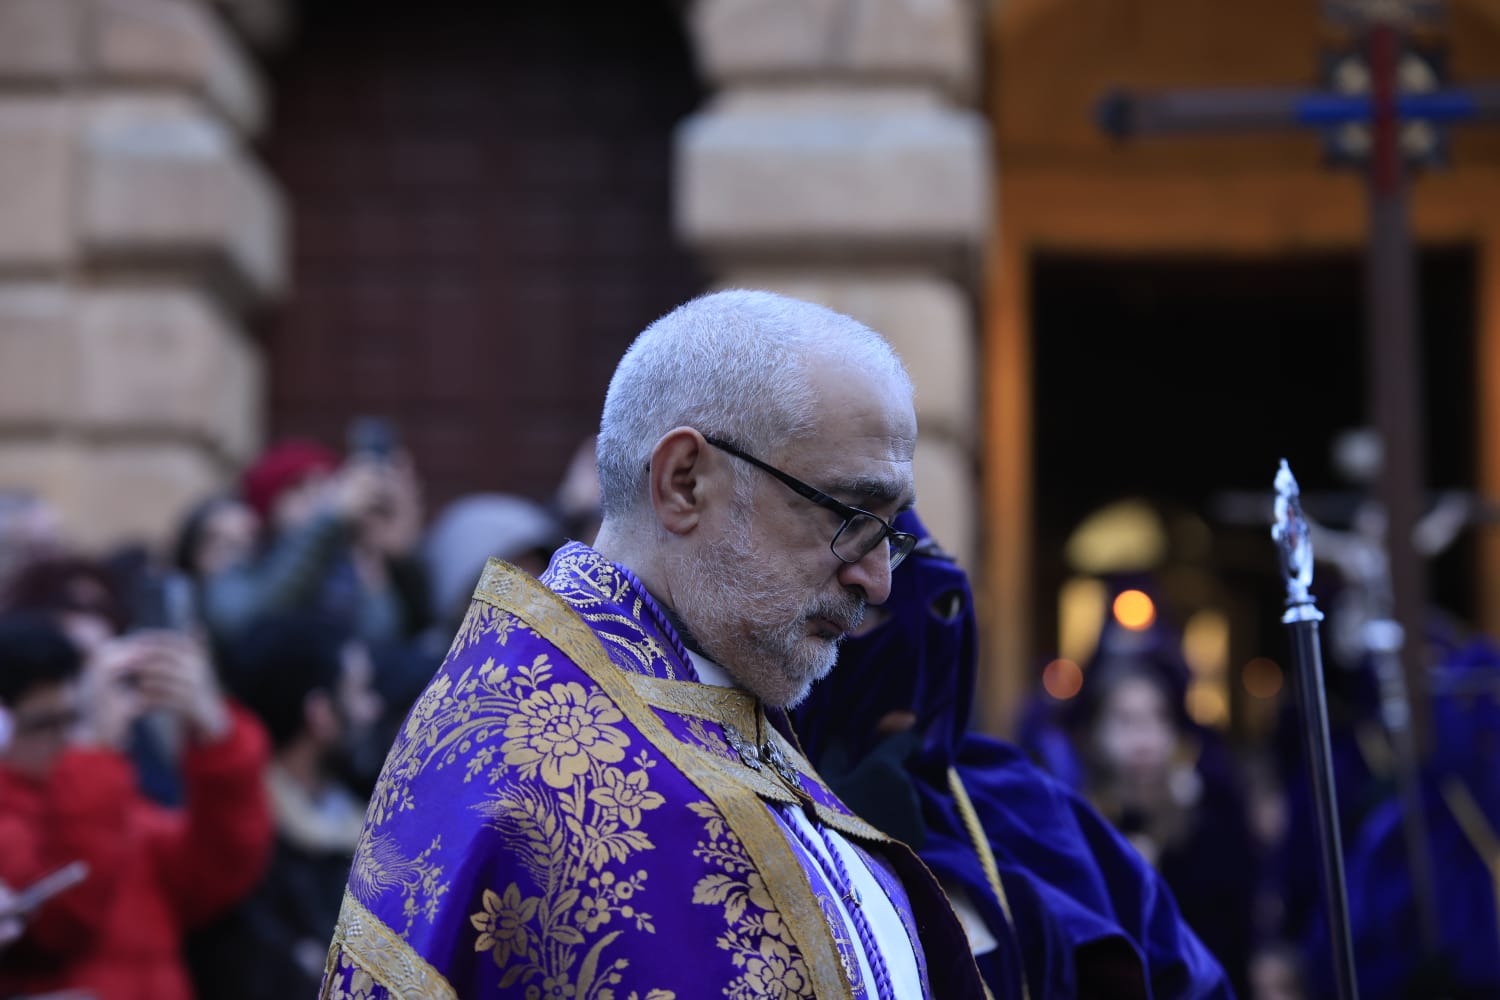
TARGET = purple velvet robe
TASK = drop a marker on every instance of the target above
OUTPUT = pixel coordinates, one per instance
(568, 812)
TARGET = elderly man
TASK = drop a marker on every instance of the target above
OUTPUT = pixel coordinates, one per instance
(595, 797)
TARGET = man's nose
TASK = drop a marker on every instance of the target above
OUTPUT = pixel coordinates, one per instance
(871, 574)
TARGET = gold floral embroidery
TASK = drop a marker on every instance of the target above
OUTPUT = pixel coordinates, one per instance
(379, 866)
(591, 585)
(774, 972)
(758, 939)
(559, 730)
(349, 982)
(552, 615)
(712, 742)
(502, 924)
(480, 621)
(460, 718)
(582, 818)
(570, 813)
(627, 796)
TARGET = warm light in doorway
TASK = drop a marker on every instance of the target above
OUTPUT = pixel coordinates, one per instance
(1134, 610)
(1062, 679)
(1262, 677)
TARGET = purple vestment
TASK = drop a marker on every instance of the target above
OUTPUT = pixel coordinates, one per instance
(567, 812)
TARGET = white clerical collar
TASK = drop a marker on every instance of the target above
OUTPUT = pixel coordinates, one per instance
(710, 672)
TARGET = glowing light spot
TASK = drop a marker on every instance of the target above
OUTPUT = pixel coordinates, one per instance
(1205, 643)
(1262, 678)
(1062, 679)
(1082, 606)
(1134, 610)
(1207, 704)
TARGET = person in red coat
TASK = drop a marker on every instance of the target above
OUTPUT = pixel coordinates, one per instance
(67, 794)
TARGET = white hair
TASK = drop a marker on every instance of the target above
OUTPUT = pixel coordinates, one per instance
(733, 364)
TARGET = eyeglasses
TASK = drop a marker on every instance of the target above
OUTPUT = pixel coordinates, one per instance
(861, 530)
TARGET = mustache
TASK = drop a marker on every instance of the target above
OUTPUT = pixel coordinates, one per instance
(846, 611)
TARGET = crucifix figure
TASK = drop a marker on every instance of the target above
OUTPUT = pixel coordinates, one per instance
(1386, 107)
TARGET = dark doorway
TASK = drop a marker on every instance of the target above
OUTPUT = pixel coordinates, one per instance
(479, 197)
(1179, 379)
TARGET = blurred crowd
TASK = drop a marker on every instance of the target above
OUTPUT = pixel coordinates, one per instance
(1233, 829)
(189, 734)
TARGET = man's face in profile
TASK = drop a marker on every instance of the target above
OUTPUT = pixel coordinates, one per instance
(766, 595)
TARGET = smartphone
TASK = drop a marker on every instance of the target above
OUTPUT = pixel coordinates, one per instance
(49, 885)
(371, 436)
(159, 602)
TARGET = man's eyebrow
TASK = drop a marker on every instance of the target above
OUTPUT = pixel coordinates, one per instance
(870, 490)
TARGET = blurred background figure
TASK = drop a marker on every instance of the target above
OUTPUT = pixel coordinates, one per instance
(30, 530)
(217, 534)
(80, 594)
(337, 538)
(576, 502)
(1169, 785)
(1041, 881)
(312, 685)
(473, 529)
(86, 599)
(67, 794)
(1461, 808)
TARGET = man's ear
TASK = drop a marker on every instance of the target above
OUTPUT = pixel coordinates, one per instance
(679, 479)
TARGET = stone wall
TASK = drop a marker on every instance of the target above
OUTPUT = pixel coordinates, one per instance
(138, 236)
(840, 161)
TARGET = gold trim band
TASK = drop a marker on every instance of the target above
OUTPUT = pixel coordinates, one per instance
(384, 956)
(986, 861)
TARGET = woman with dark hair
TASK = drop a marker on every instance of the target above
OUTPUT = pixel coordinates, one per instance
(215, 534)
(1169, 785)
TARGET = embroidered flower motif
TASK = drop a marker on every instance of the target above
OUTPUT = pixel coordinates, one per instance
(560, 729)
(426, 708)
(349, 982)
(592, 914)
(760, 898)
(553, 989)
(502, 923)
(627, 794)
(775, 973)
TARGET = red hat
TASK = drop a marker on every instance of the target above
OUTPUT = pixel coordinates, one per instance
(282, 467)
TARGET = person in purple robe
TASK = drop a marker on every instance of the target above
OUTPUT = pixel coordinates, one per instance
(1056, 903)
(597, 796)
(1460, 797)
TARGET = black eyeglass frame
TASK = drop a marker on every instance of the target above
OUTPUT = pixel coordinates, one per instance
(901, 543)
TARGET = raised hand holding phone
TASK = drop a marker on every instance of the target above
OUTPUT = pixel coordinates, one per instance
(112, 696)
(175, 676)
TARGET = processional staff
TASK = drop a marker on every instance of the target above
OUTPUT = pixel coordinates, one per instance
(1294, 545)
